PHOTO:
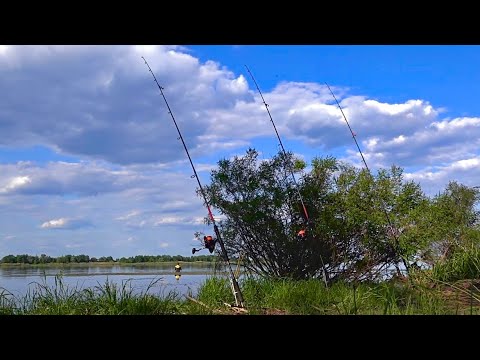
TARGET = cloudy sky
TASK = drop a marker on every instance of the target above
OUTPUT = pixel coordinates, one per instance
(90, 162)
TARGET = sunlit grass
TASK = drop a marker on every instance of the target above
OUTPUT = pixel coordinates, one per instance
(262, 296)
(463, 265)
(104, 299)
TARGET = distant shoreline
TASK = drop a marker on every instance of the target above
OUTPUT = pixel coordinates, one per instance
(107, 264)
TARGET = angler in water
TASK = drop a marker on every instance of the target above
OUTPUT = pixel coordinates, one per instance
(178, 267)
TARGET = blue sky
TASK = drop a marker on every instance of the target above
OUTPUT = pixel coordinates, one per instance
(90, 162)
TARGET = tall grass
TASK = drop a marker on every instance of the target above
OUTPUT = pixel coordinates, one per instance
(104, 299)
(463, 265)
(6, 303)
(215, 291)
(262, 296)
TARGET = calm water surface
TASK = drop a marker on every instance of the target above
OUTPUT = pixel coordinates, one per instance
(18, 280)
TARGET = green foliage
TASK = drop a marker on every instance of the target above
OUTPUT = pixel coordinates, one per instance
(299, 165)
(76, 259)
(262, 296)
(165, 258)
(215, 290)
(461, 264)
(292, 296)
(357, 225)
(360, 224)
(452, 223)
(312, 297)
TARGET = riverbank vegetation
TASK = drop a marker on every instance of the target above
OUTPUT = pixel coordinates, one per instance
(374, 244)
(85, 259)
(361, 226)
(262, 296)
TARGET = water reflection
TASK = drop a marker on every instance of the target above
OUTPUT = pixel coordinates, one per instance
(159, 279)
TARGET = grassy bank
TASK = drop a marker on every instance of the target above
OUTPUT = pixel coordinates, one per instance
(311, 297)
(261, 297)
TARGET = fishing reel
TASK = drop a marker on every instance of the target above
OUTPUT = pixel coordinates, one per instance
(196, 250)
(209, 243)
(211, 249)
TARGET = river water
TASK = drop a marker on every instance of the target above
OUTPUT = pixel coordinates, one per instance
(155, 279)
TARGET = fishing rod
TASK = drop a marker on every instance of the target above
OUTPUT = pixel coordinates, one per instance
(354, 136)
(302, 232)
(237, 293)
(281, 145)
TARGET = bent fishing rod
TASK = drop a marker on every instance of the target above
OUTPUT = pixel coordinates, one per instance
(354, 136)
(281, 145)
(237, 293)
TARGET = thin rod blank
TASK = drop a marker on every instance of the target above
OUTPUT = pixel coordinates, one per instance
(237, 292)
(281, 145)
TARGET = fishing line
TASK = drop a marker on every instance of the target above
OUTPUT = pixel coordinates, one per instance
(235, 287)
(281, 145)
(354, 136)
(307, 218)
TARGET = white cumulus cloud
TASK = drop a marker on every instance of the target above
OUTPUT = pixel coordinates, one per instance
(65, 223)
(55, 223)
(130, 176)
(15, 183)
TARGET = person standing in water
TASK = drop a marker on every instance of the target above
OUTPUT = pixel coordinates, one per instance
(178, 267)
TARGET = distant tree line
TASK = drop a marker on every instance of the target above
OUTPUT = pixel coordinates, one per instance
(165, 258)
(67, 259)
